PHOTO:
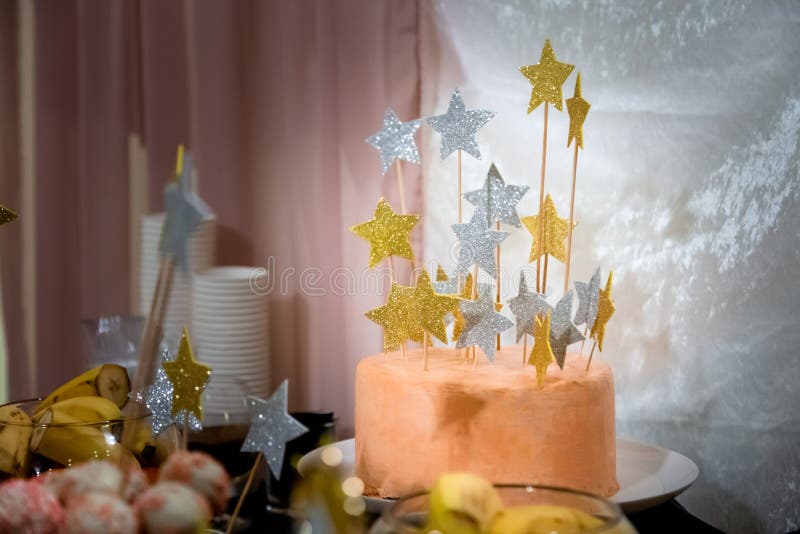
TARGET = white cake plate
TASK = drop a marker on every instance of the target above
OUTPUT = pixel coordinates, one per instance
(648, 475)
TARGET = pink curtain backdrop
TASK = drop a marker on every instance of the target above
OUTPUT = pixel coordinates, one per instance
(273, 98)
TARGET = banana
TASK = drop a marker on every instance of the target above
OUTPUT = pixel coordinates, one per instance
(109, 381)
(64, 439)
(15, 436)
(543, 519)
(88, 409)
(463, 503)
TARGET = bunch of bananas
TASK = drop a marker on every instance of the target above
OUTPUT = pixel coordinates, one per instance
(463, 503)
(69, 426)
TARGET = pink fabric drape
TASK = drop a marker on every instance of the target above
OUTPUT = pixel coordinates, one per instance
(275, 100)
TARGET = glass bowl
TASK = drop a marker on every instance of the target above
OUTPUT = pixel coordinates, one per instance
(31, 449)
(409, 514)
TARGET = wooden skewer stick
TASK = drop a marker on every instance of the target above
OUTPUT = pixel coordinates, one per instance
(185, 432)
(571, 216)
(425, 351)
(544, 277)
(400, 187)
(497, 297)
(524, 349)
(590, 355)
(541, 200)
(240, 502)
(585, 331)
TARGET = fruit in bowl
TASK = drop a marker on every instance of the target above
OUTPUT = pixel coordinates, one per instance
(464, 503)
(88, 418)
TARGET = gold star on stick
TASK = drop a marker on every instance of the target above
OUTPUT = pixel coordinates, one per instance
(546, 77)
(577, 108)
(605, 309)
(6, 215)
(541, 355)
(189, 379)
(555, 232)
(397, 318)
(430, 307)
(387, 233)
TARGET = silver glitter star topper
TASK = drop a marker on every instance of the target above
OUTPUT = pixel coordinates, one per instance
(482, 324)
(562, 332)
(477, 244)
(526, 306)
(396, 140)
(588, 299)
(185, 211)
(271, 427)
(498, 199)
(458, 127)
(158, 399)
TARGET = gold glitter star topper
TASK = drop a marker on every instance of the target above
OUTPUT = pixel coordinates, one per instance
(387, 233)
(189, 379)
(605, 309)
(577, 108)
(397, 318)
(430, 308)
(555, 232)
(546, 78)
(6, 215)
(541, 355)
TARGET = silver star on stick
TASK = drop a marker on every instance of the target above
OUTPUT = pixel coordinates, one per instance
(526, 306)
(271, 427)
(498, 199)
(477, 244)
(588, 299)
(396, 140)
(458, 127)
(185, 211)
(482, 324)
(562, 332)
(158, 399)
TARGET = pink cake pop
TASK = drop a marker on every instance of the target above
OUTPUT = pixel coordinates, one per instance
(99, 513)
(30, 507)
(203, 473)
(172, 508)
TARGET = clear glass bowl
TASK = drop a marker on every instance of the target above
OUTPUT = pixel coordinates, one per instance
(29, 449)
(409, 514)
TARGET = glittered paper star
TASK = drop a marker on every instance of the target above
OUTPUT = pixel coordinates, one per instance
(546, 77)
(271, 427)
(477, 244)
(588, 298)
(555, 232)
(526, 306)
(189, 379)
(458, 127)
(397, 318)
(185, 211)
(562, 332)
(430, 308)
(387, 233)
(498, 199)
(157, 397)
(605, 309)
(6, 215)
(577, 108)
(482, 324)
(541, 354)
(396, 140)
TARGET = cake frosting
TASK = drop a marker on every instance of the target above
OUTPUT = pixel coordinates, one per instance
(412, 426)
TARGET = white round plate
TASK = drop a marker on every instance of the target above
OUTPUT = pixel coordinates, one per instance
(648, 475)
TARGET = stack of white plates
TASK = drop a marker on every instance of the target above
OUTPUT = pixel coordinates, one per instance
(229, 333)
(202, 255)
